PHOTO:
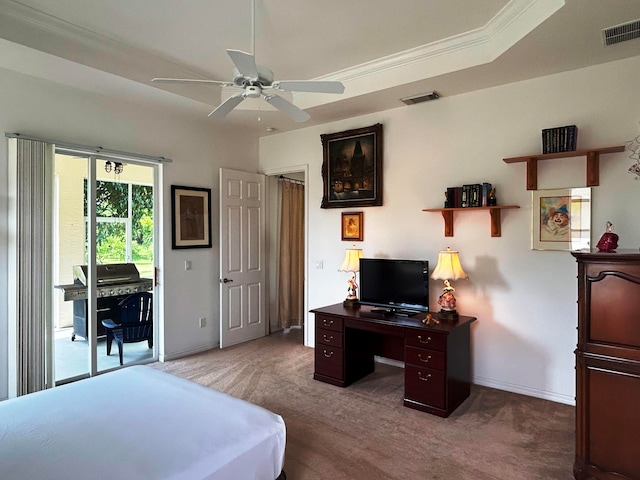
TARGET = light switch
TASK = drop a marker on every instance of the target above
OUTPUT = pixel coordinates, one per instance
(319, 265)
(187, 264)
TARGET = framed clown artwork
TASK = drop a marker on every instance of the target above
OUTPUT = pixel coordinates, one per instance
(561, 219)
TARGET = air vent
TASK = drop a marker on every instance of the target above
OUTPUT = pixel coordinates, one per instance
(423, 97)
(621, 33)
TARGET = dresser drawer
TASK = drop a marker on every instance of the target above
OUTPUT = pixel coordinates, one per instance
(328, 337)
(330, 362)
(425, 358)
(425, 386)
(329, 323)
(426, 339)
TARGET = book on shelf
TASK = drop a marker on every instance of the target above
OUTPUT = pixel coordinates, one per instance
(469, 195)
(465, 196)
(559, 139)
(486, 188)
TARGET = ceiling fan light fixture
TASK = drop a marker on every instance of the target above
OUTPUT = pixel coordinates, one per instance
(252, 91)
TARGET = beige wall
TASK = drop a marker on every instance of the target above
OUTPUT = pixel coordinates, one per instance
(525, 300)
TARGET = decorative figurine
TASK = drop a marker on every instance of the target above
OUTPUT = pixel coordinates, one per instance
(352, 298)
(430, 318)
(609, 240)
(447, 300)
(492, 200)
(353, 286)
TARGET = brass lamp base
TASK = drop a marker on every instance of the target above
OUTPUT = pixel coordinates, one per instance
(448, 315)
(351, 303)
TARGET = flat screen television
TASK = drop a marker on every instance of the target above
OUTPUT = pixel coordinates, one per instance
(399, 287)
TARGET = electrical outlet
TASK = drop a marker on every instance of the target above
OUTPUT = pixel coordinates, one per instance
(202, 322)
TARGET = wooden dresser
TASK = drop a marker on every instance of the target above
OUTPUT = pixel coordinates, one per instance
(437, 357)
(608, 366)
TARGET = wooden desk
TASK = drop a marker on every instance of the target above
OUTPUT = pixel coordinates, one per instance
(437, 357)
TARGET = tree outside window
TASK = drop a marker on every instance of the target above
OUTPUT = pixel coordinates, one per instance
(124, 216)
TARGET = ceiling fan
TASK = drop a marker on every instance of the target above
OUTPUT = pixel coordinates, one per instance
(256, 81)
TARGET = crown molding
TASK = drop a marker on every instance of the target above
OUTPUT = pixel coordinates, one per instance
(517, 17)
(475, 47)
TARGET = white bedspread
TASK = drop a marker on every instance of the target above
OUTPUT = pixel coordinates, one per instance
(138, 423)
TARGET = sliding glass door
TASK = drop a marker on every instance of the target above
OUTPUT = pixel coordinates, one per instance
(104, 224)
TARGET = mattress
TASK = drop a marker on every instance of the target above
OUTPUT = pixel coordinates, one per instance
(138, 423)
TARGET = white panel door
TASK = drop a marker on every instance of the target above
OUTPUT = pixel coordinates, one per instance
(242, 257)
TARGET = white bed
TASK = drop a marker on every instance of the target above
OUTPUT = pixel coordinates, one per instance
(138, 423)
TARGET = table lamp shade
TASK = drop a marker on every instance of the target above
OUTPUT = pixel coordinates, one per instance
(448, 267)
(351, 262)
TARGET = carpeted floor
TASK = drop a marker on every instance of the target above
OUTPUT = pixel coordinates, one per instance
(363, 432)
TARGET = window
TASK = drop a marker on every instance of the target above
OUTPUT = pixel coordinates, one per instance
(124, 216)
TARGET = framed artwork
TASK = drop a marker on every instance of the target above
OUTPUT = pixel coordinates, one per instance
(190, 217)
(352, 168)
(561, 219)
(352, 226)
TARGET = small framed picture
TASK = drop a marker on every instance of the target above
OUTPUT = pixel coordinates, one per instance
(561, 219)
(352, 226)
(190, 217)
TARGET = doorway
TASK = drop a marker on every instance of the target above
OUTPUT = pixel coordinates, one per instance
(122, 218)
(275, 179)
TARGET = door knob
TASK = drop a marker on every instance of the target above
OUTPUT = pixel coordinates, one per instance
(227, 280)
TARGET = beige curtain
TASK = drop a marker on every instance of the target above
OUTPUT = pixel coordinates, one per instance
(291, 265)
(30, 343)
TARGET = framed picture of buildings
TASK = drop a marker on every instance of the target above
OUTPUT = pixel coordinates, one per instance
(190, 217)
(352, 168)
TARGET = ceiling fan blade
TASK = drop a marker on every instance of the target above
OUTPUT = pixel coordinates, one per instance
(191, 80)
(315, 86)
(296, 114)
(225, 107)
(245, 63)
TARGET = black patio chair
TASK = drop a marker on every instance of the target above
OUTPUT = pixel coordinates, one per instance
(136, 322)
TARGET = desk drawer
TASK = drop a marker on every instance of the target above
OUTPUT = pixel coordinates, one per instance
(425, 386)
(329, 323)
(426, 339)
(328, 337)
(330, 361)
(425, 358)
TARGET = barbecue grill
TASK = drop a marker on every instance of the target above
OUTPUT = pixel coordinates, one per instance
(115, 282)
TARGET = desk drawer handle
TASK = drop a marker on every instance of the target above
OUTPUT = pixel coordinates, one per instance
(328, 355)
(423, 341)
(326, 338)
(425, 360)
(327, 323)
(425, 378)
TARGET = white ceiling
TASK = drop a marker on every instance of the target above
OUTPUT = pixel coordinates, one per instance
(381, 50)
